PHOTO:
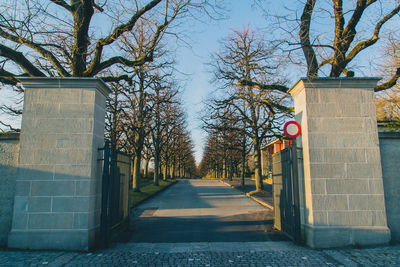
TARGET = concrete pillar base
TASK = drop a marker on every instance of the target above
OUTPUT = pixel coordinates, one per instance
(75, 240)
(339, 236)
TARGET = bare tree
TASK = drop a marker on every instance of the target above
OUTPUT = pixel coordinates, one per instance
(358, 25)
(246, 57)
(162, 99)
(55, 38)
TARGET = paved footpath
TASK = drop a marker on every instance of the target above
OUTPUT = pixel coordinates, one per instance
(214, 254)
(204, 223)
(202, 211)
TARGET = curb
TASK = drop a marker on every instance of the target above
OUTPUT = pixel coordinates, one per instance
(256, 199)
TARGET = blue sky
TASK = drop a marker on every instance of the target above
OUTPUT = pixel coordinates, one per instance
(204, 41)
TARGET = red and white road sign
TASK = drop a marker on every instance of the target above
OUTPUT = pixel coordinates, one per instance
(292, 129)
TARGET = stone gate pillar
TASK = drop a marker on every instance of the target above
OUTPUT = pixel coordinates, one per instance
(342, 196)
(56, 204)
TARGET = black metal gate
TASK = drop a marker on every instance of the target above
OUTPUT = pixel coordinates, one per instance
(113, 204)
(286, 192)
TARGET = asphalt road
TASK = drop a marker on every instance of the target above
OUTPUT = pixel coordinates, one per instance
(201, 211)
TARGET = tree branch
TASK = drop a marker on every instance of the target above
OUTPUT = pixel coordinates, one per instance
(277, 87)
(118, 31)
(63, 4)
(389, 84)
(21, 61)
(309, 53)
(45, 53)
(367, 43)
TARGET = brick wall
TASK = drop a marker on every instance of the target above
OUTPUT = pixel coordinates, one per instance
(9, 148)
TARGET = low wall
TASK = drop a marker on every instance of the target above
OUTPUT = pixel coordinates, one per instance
(389, 144)
(9, 149)
(277, 188)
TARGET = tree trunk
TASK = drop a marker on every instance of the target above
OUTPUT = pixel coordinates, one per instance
(156, 170)
(165, 177)
(173, 171)
(146, 168)
(136, 174)
(243, 160)
(258, 176)
(230, 168)
(224, 166)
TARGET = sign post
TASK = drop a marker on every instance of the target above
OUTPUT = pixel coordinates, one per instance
(292, 130)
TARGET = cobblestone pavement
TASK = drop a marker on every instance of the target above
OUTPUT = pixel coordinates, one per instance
(208, 255)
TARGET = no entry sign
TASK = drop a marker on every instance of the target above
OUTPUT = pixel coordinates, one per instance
(292, 129)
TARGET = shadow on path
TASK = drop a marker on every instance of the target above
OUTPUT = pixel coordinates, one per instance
(201, 211)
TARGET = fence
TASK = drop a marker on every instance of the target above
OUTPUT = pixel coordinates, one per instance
(115, 169)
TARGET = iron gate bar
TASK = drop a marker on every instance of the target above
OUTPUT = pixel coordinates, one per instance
(104, 226)
(296, 198)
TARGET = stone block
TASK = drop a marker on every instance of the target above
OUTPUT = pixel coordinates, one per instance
(346, 140)
(344, 155)
(77, 171)
(42, 188)
(376, 186)
(347, 186)
(317, 155)
(50, 221)
(327, 170)
(20, 220)
(330, 202)
(320, 217)
(73, 156)
(22, 188)
(366, 202)
(21, 204)
(350, 109)
(39, 204)
(83, 204)
(46, 109)
(363, 170)
(63, 204)
(69, 141)
(339, 218)
(368, 109)
(80, 125)
(343, 125)
(87, 97)
(53, 188)
(373, 155)
(40, 221)
(325, 110)
(29, 172)
(318, 140)
(313, 96)
(84, 187)
(63, 188)
(78, 110)
(318, 186)
(368, 218)
(81, 220)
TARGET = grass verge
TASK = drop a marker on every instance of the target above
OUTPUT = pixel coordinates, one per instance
(135, 198)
